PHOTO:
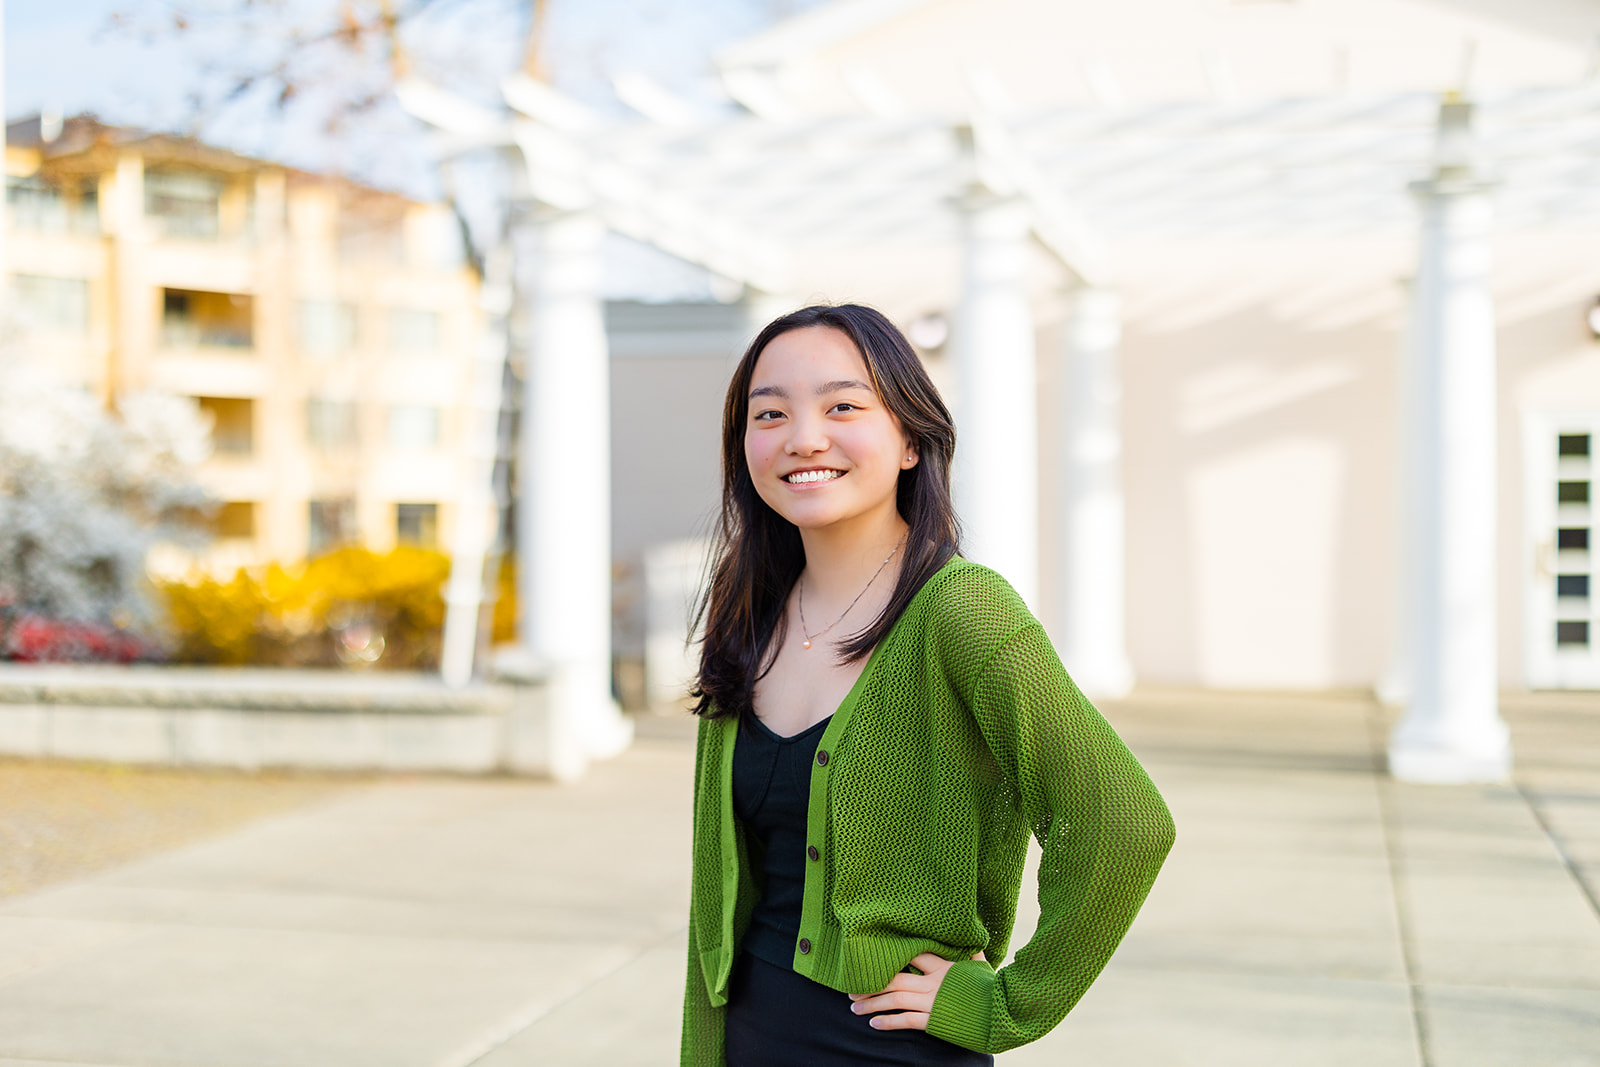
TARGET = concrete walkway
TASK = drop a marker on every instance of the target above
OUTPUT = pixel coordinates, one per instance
(1313, 913)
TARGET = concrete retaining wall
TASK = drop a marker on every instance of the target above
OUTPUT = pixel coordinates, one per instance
(254, 718)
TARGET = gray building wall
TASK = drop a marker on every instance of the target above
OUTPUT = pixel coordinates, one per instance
(669, 374)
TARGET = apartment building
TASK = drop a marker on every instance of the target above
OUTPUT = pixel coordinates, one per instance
(325, 327)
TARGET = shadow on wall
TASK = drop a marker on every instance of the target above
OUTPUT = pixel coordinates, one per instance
(1263, 464)
(1260, 463)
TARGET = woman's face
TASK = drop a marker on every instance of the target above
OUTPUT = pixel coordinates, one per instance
(821, 447)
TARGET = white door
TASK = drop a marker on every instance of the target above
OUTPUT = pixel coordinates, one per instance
(1561, 600)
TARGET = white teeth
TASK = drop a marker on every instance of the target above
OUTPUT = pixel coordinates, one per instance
(801, 477)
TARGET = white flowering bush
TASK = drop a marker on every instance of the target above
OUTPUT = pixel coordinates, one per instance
(84, 494)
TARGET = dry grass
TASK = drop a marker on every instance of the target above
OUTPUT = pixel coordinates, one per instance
(60, 821)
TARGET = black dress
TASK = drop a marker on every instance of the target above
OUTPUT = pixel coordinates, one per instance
(777, 1017)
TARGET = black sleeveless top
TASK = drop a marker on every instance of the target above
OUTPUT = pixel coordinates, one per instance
(771, 790)
(776, 1016)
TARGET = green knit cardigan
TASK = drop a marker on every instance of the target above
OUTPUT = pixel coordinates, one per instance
(962, 735)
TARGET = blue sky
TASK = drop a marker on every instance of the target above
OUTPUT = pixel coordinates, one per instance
(65, 55)
(57, 55)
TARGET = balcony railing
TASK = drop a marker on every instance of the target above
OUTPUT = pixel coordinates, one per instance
(179, 334)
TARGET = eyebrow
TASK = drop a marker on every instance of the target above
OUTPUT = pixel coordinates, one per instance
(822, 390)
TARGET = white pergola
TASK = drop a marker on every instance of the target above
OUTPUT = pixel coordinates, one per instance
(772, 205)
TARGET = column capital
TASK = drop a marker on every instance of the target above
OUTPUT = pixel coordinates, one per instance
(1093, 301)
(1452, 187)
(1006, 213)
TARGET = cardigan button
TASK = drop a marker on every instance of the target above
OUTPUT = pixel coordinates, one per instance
(822, 758)
(805, 946)
(811, 850)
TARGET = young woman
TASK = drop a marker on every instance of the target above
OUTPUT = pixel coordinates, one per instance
(883, 724)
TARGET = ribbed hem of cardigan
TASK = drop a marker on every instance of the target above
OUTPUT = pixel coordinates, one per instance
(963, 1009)
(866, 964)
(715, 965)
(859, 964)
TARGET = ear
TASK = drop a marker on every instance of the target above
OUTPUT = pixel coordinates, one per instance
(909, 458)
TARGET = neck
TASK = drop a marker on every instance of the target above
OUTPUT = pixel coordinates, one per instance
(839, 561)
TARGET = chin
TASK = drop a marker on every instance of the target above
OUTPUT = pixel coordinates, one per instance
(810, 520)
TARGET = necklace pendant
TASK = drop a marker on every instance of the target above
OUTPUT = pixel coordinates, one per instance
(805, 644)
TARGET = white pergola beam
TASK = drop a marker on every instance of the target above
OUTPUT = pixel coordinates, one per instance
(447, 111)
(1004, 169)
(563, 173)
(547, 106)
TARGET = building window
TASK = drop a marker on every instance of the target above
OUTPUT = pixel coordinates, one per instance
(413, 427)
(363, 239)
(411, 330)
(193, 319)
(184, 203)
(332, 523)
(232, 424)
(327, 327)
(417, 524)
(37, 203)
(59, 305)
(330, 424)
(235, 520)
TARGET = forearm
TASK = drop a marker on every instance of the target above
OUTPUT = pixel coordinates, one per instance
(1105, 832)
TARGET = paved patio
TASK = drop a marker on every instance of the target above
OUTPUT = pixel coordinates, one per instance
(1312, 913)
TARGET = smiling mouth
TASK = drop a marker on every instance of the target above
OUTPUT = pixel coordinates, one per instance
(811, 477)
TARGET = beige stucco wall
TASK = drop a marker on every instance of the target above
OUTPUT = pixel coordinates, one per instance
(1262, 444)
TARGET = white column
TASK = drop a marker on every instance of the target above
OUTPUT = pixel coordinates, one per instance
(473, 529)
(1092, 634)
(564, 510)
(997, 441)
(1451, 731)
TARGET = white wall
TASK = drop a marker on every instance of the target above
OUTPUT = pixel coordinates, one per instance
(1262, 449)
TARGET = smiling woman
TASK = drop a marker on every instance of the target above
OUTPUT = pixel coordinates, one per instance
(836, 444)
(862, 809)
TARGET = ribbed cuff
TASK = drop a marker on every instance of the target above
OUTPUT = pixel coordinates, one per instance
(964, 1006)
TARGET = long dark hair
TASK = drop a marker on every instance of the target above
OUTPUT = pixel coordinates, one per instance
(759, 553)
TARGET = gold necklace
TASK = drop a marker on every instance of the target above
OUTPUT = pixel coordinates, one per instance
(809, 637)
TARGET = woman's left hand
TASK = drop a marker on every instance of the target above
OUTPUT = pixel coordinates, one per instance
(908, 996)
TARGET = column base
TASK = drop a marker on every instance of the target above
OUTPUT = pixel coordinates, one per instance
(587, 723)
(607, 731)
(572, 721)
(1438, 765)
(1393, 688)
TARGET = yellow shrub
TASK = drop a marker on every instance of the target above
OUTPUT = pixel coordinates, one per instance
(504, 629)
(352, 606)
(216, 622)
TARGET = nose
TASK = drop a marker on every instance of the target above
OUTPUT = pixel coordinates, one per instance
(807, 437)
